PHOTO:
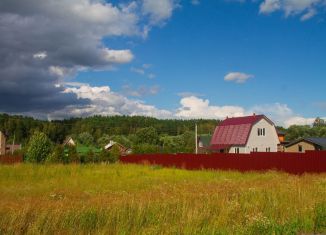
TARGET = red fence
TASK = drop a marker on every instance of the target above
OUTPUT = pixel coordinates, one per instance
(296, 163)
(10, 159)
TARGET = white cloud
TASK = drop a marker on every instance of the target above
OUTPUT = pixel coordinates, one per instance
(158, 10)
(310, 13)
(280, 114)
(194, 107)
(298, 121)
(237, 77)
(40, 55)
(269, 6)
(117, 56)
(105, 102)
(293, 7)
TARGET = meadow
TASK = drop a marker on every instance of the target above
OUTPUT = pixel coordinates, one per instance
(131, 199)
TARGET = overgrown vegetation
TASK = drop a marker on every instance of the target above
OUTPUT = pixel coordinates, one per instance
(128, 199)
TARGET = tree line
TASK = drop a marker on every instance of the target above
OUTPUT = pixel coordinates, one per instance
(142, 133)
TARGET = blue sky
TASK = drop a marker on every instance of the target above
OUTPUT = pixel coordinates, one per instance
(202, 59)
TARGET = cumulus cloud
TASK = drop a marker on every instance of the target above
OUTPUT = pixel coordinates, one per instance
(280, 114)
(237, 77)
(103, 101)
(298, 121)
(307, 8)
(158, 10)
(194, 107)
(43, 43)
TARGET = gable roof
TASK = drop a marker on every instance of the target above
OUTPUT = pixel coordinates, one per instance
(235, 131)
(67, 141)
(205, 139)
(320, 141)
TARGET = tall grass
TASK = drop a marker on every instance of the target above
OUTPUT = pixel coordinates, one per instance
(130, 199)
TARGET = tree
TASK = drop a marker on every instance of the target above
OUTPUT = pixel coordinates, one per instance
(39, 148)
(86, 139)
(319, 122)
(147, 135)
(104, 140)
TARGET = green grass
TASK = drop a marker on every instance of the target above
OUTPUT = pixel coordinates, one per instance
(129, 199)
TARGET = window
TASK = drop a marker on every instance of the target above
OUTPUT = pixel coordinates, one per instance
(261, 131)
(236, 150)
(300, 148)
(268, 149)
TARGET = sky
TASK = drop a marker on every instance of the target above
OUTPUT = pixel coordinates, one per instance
(164, 58)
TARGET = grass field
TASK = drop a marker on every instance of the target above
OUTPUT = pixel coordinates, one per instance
(129, 199)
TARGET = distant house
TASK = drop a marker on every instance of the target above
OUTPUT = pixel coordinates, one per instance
(2, 143)
(283, 142)
(303, 144)
(204, 143)
(11, 148)
(69, 142)
(122, 149)
(247, 134)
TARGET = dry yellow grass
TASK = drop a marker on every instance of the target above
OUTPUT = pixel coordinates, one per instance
(129, 199)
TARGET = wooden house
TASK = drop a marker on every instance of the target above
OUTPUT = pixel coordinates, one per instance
(306, 144)
(247, 134)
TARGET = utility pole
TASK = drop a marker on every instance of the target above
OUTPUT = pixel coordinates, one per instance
(196, 138)
(13, 143)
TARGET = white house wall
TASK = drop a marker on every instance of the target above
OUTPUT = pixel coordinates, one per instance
(270, 140)
(242, 149)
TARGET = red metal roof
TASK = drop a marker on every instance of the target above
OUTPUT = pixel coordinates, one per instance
(235, 131)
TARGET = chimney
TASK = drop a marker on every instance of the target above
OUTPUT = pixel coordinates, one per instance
(254, 114)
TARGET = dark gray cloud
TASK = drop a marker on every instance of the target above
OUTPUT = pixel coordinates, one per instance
(42, 42)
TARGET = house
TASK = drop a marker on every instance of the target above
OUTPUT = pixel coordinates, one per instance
(69, 142)
(122, 149)
(2, 143)
(247, 134)
(11, 148)
(303, 144)
(204, 143)
(283, 142)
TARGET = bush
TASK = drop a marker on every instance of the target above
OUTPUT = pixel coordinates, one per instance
(72, 154)
(39, 148)
(114, 154)
(57, 155)
(145, 148)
